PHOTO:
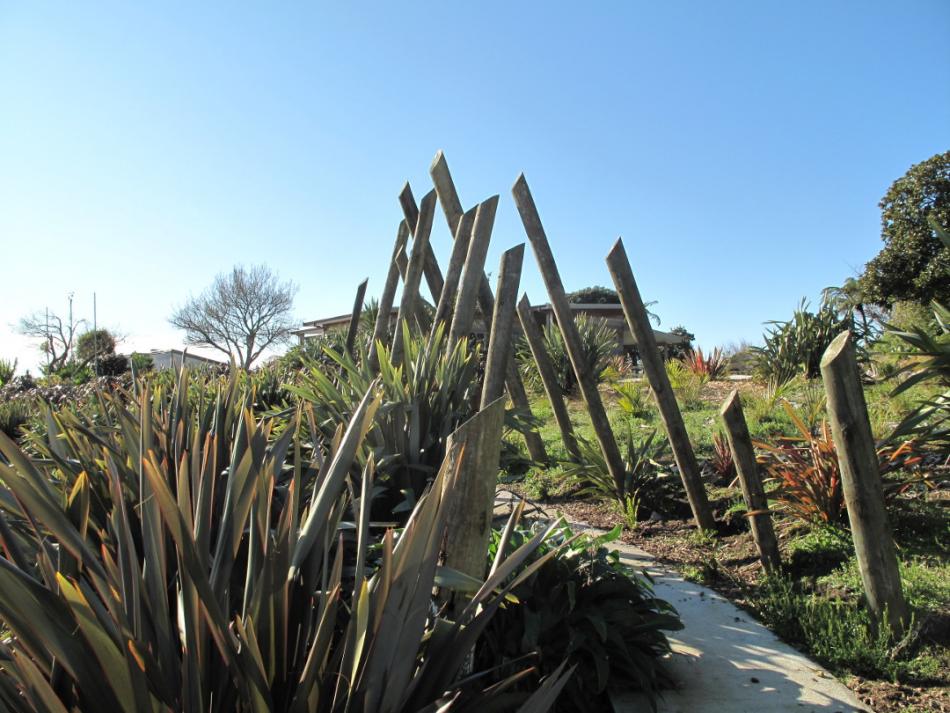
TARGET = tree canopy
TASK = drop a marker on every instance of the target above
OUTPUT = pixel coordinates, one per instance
(241, 314)
(913, 263)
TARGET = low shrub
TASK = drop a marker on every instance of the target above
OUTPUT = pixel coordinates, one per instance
(584, 606)
(13, 416)
(598, 343)
(712, 366)
(634, 399)
(686, 384)
(7, 370)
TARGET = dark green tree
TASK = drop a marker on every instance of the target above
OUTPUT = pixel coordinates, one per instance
(913, 263)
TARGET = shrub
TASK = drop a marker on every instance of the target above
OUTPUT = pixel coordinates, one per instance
(586, 607)
(806, 470)
(641, 461)
(7, 370)
(712, 366)
(685, 384)
(796, 346)
(13, 415)
(634, 399)
(180, 554)
(598, 343)
(141, 363)
(721, 462)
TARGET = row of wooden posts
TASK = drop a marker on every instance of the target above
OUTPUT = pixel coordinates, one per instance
(464, 290)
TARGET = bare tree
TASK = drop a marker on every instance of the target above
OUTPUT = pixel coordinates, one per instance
(241, 314)
(57, 335)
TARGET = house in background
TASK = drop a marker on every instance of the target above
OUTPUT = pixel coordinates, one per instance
(172, 359)
(612, 314)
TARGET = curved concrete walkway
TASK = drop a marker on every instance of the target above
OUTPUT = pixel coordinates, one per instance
(723, 660)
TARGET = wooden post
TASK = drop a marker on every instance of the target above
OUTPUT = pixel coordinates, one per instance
(572, 340)
(355, 318)
(861, 482)
(430, 268)
(452, 207)
(535, 341)
(639, 322)
(381, 328)
(743, 455)
(477, 442)
(453, 272)
(408, 305)
(502, 325)
(465, 301)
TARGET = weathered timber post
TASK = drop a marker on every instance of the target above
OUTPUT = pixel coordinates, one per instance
(572, 340)
(535, 341)
(743, 455)
(861, 482)
(453, 272)
(355, 318)
(409, 302)
(384, 317)
(430, 268)
(636, 316)
(452, 207)
(477, 442)
(466, 298)
(502, 325)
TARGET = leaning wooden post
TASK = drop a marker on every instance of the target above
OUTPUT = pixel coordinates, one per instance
(861, 482)
(502, 325)
(639, 322)
(535, 341)
(355, 318)
(453, 272)
(384, 317)
(452, 207)
(572, 340)
(408, 304)
(477, 442)
(467, 295)
(430, 267)
(743, 455)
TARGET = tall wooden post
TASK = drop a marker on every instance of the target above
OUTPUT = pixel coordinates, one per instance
(502, 325)
(384, 317)
(572, 340)
(861, 482)
(452, 207)
(639, 322)
(477, 442)
(409, 303)
(743, 455)
(535, 341)
(430, 267)
(355, 318)
(467, 295)
(453, 272)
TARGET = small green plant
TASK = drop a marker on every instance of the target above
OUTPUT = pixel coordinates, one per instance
(839, 634)
(686, 384)
(7, 370)
(634, 399)
(141, 363)
(631, 509)
(13, 416)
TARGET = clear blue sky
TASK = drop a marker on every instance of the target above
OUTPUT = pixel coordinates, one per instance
(740, 149)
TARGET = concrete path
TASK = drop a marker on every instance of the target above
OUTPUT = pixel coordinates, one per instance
(724, 660)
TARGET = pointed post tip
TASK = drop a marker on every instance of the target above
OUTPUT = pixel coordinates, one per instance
(732, 400)
(837, 347)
